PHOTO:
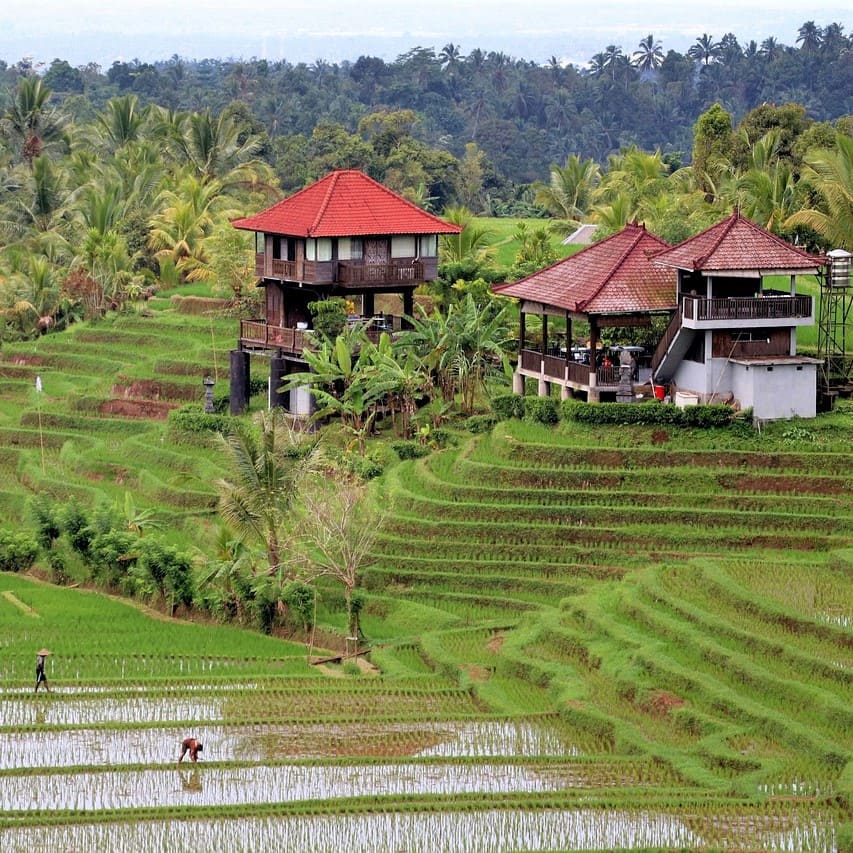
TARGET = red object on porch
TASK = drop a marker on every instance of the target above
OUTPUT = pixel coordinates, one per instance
(660, 392)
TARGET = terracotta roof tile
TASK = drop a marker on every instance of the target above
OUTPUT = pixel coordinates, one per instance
(613, 276)
(345, 203)
(737, 243)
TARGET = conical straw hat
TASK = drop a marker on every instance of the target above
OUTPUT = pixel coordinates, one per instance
(44, 652)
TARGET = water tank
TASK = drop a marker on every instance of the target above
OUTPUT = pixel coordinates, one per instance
(839, 267)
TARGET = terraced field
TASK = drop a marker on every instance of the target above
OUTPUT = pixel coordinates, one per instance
(98, 430)
(582, 638)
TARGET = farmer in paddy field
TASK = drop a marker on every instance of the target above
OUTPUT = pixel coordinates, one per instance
(41, 678)
(192, 746)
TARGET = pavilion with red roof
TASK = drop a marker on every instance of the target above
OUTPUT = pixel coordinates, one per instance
(732, 333)
(733, 337)
(345, 235)
(612, 283)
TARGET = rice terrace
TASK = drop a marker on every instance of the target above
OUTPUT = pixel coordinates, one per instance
(579, 636)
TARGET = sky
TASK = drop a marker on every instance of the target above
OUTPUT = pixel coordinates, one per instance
(83, 31)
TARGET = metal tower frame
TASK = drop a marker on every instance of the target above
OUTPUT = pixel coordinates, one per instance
(835, 303)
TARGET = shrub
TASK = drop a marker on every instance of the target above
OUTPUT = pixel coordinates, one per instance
(59, 568)
(299, 598)
(168, 568)
(192, 418)
(651, 413)
(541, 410)
(506, 406)
(410, 449)
(111, 557)
(76, 526)
(48, 528)
(18, 552)
(477, 424)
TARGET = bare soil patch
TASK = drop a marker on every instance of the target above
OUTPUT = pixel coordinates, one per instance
(137, 409)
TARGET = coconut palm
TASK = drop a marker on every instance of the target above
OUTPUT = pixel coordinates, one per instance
(830, 172)
(121, 122)
(649, 56)
(472, 242)
(29, 122)
(187, 216)
(809, 37)
(267, 464)
(704, 50)
(568, 195)
(38, 297)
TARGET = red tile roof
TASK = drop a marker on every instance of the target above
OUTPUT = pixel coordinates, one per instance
(613, 276)
(345, 203)
(737, 244)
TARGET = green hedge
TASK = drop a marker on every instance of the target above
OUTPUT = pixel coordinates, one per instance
(192, 418)
(506, 406)
(646, 413)
(546, 410)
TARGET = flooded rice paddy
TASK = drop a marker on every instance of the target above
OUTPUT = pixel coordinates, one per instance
(436, 832)
(90, 747)
(241, 785)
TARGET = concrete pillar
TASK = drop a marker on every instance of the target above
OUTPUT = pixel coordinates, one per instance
(593, 395)
(278, 370)
(543, 389)
(239, 388)
(565, 392)
(517, 383)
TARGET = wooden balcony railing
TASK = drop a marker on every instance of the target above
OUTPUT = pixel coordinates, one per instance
(393, 272)
(743, 308)
(557, 368)
(259, 334)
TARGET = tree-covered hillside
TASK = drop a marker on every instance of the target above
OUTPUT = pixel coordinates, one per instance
(523, 115)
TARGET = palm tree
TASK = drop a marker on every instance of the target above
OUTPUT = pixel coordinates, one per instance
(186, 218)
(38, 294)
(29, 122)
(450, 56)
(830, 172)
(267, 466)
(809, 37)
(770, 48)
(705, 49)
(120, 123)
(38, 213)
(568, 195)
(612, 55)
(649, 56)
(472, 242)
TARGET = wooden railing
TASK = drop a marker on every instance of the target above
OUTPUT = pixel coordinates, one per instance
(352, 273)
(558, 368)
(747, 308)
(259, 333)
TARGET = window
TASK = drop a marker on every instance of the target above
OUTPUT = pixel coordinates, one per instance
(429, 246)
(750, 337)
(402, 247)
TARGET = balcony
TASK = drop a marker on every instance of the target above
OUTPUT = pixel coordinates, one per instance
(260, 335)
(771, 309)
(568, 372)
(351, 274)
(356, 273)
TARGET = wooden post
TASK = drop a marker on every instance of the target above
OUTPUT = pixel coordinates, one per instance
(239, 389)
